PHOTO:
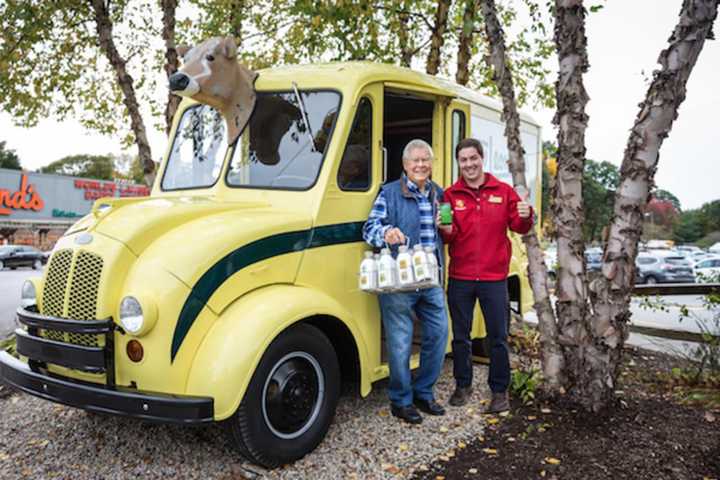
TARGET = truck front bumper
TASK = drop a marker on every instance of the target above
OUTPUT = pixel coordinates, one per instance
(154, 407)
(34, 378)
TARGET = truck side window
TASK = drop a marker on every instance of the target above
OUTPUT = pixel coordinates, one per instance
(458, 133)
(355, 166)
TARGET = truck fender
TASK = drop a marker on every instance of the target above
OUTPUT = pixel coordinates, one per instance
(232, 348)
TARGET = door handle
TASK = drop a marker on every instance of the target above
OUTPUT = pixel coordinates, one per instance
(384, 164)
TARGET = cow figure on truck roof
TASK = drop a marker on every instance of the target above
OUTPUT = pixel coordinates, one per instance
(212, 75)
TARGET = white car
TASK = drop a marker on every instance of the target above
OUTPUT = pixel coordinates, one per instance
(707, 270)
(715, 248)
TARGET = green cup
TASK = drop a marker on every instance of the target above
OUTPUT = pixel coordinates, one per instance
(445, 214)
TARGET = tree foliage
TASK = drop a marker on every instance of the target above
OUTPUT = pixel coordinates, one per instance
(8, 158)
(693, 226)
(274, 32)
(600, 180)
(100, 167)
(59, 71)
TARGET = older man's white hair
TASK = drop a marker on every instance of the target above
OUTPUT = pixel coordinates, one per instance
(416, 144)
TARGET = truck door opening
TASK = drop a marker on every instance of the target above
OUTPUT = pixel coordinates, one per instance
(405, 118)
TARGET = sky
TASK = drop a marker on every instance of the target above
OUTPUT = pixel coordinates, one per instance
(624, 41)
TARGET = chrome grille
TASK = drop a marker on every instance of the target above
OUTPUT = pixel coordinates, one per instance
(56, 283)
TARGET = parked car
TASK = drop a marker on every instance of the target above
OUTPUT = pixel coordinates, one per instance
(707, 270)
(653, 268)
(697, 256)
(593, 260)
(14, 256)
(688, 249)
(550, 254)
(715, 248)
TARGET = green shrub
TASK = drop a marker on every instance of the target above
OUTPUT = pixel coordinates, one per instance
(524, 384)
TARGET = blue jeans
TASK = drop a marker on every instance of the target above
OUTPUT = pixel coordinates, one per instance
(397, 310)
(493, 298)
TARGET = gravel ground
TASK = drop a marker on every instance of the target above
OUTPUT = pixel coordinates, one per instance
(40, 439)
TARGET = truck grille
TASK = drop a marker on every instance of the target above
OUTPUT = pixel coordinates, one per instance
(75, 277)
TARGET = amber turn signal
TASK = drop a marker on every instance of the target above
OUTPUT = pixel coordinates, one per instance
(135, 350)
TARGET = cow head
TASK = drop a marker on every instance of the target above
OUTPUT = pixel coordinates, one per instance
(212, 75)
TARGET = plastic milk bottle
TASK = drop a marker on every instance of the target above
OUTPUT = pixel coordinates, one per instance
(404, 266)
(368, 272)
(433, 266)
(387, 269)
(420, 264)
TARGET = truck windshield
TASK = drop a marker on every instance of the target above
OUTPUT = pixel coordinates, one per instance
(282, 148)
(198, 150)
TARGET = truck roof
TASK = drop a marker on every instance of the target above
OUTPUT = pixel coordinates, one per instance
(349, 77)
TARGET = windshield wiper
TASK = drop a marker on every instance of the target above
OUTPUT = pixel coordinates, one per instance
(304, 115)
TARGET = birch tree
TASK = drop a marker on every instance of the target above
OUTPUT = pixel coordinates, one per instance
(62, 59)
(582, 344)
(553, 360)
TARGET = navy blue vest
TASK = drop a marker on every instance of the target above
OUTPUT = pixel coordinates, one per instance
(403, 212)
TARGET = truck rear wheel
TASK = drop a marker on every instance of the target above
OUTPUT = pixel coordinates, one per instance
(291, 399)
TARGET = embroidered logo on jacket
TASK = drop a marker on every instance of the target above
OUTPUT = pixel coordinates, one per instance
(495, 199)
(459, 205)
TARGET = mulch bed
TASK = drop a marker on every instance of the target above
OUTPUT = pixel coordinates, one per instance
(649, 436)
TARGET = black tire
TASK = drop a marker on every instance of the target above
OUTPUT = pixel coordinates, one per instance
(302, 365)
(650, 280)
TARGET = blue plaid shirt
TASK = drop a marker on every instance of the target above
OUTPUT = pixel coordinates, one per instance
(376, 226)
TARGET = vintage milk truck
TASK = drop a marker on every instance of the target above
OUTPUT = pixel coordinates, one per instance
(230, 294)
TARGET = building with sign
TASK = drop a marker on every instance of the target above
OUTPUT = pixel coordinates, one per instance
(37, 208)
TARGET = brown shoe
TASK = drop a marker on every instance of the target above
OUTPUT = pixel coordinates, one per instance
(500, 402)
(460, 396)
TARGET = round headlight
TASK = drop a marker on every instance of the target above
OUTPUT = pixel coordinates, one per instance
(131, 314)
(28, 296)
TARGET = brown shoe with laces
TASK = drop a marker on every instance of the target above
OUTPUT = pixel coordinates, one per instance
(460, 396)
(499, 402)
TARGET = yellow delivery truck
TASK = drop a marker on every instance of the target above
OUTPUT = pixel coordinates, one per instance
(231, 292)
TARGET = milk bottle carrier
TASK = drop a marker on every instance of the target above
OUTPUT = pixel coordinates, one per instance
(409, 271)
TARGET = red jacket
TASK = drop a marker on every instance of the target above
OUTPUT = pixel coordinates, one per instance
(479, 244)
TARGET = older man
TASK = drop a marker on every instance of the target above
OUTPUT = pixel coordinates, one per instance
(484, 209)
(405, 212)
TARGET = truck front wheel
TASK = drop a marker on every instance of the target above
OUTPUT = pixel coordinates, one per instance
(291, 399)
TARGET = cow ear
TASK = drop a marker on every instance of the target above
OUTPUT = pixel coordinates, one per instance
(229, 47)
(182, 50)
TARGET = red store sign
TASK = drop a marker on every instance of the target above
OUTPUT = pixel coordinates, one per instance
(26, 198)
(95, 189)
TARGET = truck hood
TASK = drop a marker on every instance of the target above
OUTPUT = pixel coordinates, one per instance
(186, 235)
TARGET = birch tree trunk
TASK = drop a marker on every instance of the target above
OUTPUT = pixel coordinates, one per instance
(104, 28)
(611, 291)
(171, 57)
(553, 362)
(467, 29)
(572, 301)
(406, 49)
(438, 36)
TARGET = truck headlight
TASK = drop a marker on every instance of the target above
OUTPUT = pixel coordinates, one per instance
(28, 295)
(137, 314)
(131, 314)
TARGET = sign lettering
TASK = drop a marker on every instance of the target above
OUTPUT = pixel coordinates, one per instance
(26, 198)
